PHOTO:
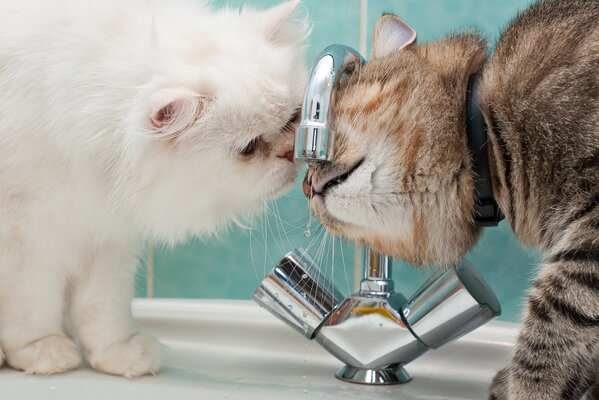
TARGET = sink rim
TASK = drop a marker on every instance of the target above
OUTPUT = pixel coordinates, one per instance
(220, 348)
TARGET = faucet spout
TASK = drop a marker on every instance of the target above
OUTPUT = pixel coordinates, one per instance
(314, 140)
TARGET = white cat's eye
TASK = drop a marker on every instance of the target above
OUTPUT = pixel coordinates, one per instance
(293, 120)
(252, 146)
(295, 117)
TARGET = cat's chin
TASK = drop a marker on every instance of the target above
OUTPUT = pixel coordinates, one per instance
(285, 181)
(331, 223)
(335, 223)
(391, 246)
(383, 241)
(278, 192)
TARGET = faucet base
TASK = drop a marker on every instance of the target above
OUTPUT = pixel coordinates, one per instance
(391, 375)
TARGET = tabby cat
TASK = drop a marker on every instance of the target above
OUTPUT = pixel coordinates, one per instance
(403, 180)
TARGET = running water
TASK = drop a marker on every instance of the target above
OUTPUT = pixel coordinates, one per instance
(308, 231)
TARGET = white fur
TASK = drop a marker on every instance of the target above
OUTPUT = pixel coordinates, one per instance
(86, 177)
(369, 198)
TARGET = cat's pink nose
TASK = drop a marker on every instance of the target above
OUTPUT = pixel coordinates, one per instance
(288, 155)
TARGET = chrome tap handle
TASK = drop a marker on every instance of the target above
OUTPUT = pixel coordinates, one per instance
(314, 141)
(298, 293)
(376, 332)
(450, 304)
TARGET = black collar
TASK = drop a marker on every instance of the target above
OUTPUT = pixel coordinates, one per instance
(487, 211)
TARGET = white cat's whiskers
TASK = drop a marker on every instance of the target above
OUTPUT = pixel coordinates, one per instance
(251, 239)
(272, 212)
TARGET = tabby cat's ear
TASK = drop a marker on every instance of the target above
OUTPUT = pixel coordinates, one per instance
(173, 110)
(281, 25)
(391, 34)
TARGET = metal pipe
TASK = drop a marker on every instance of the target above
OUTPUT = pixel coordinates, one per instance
(377, 274)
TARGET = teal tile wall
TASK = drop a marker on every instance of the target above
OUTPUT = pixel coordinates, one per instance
(232, 265)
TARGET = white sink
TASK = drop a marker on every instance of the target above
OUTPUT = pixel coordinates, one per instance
(235, 350)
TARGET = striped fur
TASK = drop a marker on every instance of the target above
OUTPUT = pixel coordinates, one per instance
(403, 116)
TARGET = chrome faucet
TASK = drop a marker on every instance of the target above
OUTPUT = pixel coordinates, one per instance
(376, 331)
(314, 140)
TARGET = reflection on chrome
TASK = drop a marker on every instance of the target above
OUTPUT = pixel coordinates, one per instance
(314, 140)
(376, 331)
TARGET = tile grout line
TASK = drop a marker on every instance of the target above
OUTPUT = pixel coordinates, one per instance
(149, 271)
(362, 49)
(363, 26)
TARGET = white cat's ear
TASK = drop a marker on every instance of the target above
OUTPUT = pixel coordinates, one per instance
(280, 23)
(173, 110)
(391, 34)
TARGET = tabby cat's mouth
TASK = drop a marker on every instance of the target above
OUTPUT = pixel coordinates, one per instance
(337, 180)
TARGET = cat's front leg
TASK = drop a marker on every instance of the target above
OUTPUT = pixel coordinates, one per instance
(101, 315)
(554, 355)
(499, 386)
(594, 392)
(32, 286)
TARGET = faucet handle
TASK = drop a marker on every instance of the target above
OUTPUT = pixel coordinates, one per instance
(450, 304)
(298, 293)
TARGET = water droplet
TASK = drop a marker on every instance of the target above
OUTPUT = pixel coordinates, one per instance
(306, 391)
(289, 306)
(304, 276)
(303, 376)
(307, 232)
(305, 314)
(276, 295)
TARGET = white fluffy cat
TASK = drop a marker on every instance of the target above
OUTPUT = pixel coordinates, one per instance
(121, 121)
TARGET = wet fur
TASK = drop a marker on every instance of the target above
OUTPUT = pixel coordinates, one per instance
(413, 197)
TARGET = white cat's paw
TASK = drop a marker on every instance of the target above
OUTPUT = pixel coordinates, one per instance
(136, 356)
(49, 355)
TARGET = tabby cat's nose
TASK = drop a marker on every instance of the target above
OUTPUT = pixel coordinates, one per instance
(307, 186)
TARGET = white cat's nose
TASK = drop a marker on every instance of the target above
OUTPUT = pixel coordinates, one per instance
(314, 140)
(287, 154)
